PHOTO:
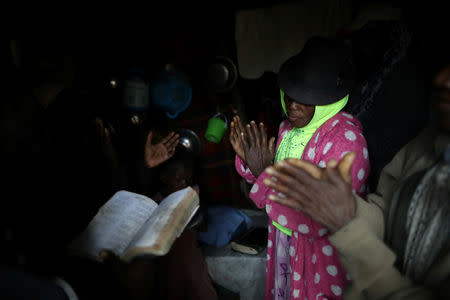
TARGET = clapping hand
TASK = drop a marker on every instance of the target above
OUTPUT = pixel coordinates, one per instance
(258, 152)
(236, 129)
(323, 194)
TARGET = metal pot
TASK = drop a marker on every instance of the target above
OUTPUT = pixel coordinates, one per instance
(190, 141)
(221, 74)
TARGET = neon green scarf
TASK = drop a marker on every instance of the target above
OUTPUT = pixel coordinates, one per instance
(295, 141)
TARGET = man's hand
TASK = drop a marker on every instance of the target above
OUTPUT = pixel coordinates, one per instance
(258, 152)
(236, 129)
(323, 194)
(159, 153)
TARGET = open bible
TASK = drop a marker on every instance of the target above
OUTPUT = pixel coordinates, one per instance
(131, 224)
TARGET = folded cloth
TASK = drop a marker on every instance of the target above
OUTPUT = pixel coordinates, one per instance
(224, 224)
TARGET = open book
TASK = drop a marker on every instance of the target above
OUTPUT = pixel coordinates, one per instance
(131, 224)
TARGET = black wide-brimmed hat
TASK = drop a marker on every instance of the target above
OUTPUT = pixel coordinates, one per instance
(322, 73)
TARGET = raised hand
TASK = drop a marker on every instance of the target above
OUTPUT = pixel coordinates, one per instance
(159, 153)
(236, 129)
(104, 133)
(323, 194)
(259, 152)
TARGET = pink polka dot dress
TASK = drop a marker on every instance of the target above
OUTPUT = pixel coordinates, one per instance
(311, 262)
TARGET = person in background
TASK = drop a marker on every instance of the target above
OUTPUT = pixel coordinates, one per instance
(57, 164)
(301, 262)
(183, 272)
(395, 245)
(391, 92)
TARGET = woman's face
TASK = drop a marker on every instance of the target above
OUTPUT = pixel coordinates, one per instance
(299, 115)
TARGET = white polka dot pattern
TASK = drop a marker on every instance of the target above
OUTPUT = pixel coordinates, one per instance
(282, 220)
(303, 228)
(327, 275)
(327, 147)
(363, 188)
(336, 290)
(322, 231)
(332, 270)
(365, 153)
(350, 135)
(291, 251)
(316, 278)
(327, 250)
(254, 188)
(361, 174)
(343, 153)
(347, 115)
(311, 153)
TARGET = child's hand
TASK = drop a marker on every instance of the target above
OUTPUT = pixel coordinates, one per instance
(159, 153)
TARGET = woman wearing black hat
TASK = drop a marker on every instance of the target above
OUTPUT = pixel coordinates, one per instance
(314, 87)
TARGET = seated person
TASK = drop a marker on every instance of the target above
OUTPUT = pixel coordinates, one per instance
(55, 171)
(175, 174)
(183, 271)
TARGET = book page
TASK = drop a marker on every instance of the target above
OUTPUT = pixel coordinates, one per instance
(188, 220)
(115, 224)
(167, 221)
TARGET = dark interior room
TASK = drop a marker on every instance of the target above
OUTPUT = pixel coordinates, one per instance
(152, 100)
